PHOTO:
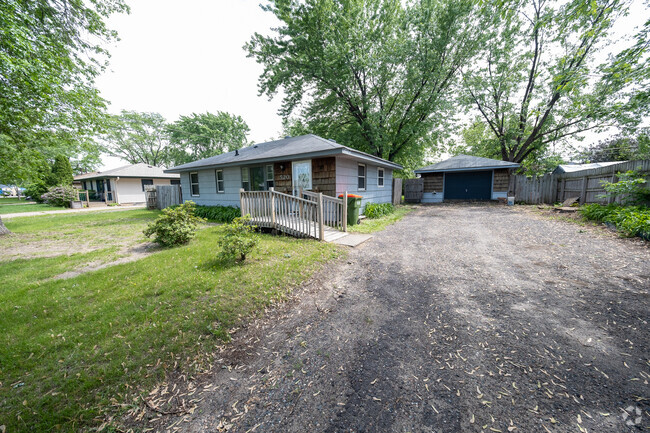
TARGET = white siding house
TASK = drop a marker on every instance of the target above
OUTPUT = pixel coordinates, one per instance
(309, 162)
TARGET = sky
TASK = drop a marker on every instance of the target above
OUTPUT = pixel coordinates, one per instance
(178, 60)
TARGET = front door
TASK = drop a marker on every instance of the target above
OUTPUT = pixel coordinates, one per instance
(301, 176)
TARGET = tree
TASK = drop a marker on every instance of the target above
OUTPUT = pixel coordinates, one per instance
(61, 172)
(538, 83)
(618, 148)
(478, 140)
(3, 230)
(51, 54)
(373, 74)
(204, 135)
(139, 138)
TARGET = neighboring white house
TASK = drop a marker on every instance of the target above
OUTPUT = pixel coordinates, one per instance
(124, 184)
(309, 162)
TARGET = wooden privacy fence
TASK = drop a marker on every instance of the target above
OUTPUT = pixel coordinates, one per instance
(163, 196)
(397, 191)
(586, 185)
(413, 190)
(296, 216)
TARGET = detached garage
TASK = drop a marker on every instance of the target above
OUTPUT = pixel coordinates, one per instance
(465, 177)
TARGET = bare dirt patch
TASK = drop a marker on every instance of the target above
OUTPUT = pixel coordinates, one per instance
(457, 318)
(126, 255)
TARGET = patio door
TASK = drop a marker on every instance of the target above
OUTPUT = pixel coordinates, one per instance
(301, 176)
(258, 182)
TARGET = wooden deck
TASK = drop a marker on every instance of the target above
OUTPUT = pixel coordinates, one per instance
(317, 216)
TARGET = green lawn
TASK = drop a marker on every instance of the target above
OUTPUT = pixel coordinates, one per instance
(374, 225)
(72, 350)
(5, 200)
(17, 208)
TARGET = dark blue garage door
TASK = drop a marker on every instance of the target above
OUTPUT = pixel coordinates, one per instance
(471, 185)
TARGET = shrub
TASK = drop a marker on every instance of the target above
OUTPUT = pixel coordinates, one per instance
(239, 239)
(59, 196)
(220, 214)
(175, 226)
(36, 190)
(628, 220)
(630, 186)
(377, 210)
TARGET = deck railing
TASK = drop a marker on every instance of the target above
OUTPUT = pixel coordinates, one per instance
(296, 216)
(335, 210)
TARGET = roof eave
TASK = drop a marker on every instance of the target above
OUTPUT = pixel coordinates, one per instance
(442, 170)
(296, 156)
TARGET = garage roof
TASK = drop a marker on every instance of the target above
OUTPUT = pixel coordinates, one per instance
(304, 146)
(134, 170)
(466, 163)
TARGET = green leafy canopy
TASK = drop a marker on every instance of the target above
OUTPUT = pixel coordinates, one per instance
(373, 74)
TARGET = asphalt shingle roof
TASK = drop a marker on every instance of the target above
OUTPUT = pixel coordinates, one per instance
(466, 163)
(134, 170)
(289, 147)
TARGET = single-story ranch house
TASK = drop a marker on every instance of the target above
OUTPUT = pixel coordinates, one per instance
(124, 184)
(308, 162)
(465, 177)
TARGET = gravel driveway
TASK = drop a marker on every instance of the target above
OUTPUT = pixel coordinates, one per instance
(457, 318)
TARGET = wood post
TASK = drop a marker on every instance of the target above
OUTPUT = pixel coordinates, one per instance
(583, 193)
(271, 191)
(344, 212)
(321, 226)
(241, 201)
(612, 197)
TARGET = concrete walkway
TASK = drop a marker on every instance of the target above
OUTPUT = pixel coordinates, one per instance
(87, 209)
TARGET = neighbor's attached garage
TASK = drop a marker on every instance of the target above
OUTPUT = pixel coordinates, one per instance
(465, 177)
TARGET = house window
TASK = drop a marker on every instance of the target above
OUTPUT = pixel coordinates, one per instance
(84, 185)
(174, 181)
(362, 177)
(194, 184)
(380, 177)
(269, 176)
(219, 176)
(245, 182)
(145, 182)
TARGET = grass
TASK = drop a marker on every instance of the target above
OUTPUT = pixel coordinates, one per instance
(73, 232)
(17, 208)
(73, 350)
(374, 225)
(5, 200)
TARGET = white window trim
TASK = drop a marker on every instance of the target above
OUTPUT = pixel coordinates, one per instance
(383, 177)
(197, 184)
(365, 177)
(223, 182)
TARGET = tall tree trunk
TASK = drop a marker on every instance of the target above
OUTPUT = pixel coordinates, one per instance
(3, 230)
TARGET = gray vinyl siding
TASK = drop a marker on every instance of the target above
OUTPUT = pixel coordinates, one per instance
(208, 195)
(347, 180)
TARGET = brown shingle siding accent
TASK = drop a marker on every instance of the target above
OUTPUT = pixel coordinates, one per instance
(323, 171)
(432, 182)
(282, 178)
(501, 180)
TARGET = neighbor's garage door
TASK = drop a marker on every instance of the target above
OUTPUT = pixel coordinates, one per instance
(471, 185)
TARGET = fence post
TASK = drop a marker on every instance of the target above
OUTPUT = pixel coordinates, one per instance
(583, 193)
(344, 211)
(241, 201)
(611, 197)
(321, 229)
(272, 192)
